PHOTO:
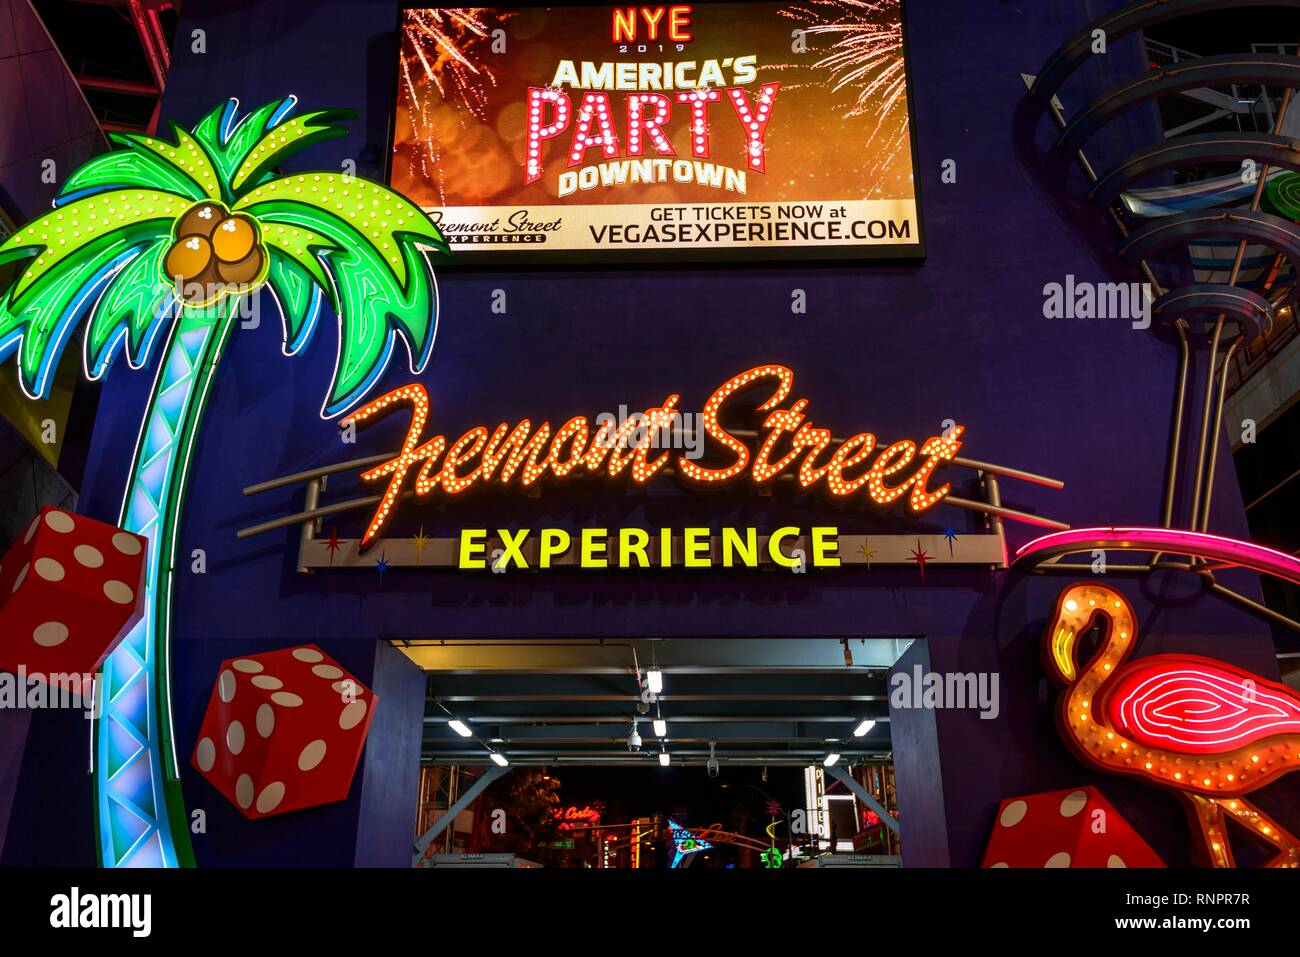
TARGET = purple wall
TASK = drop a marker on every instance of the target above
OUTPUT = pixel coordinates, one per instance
(388, 804)
(891, 349)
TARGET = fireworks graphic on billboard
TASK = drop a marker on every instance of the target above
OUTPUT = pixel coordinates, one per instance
(861, 47)
(441, 49)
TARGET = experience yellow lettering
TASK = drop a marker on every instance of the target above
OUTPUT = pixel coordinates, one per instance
(647, 548)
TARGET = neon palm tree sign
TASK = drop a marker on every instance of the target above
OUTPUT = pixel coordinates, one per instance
(159, 240)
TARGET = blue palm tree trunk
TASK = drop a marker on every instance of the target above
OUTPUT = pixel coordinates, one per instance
(139, 809)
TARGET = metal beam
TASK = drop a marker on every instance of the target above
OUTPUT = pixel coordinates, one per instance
(865, 796)
(115, 85)
(550, 761)
(541, 720)
(685, 655)
(663, 698)
(114, 126)
(612, 756)
(465, 800)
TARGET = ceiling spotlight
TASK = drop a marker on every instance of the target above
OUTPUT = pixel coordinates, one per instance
(654, 680)
(661, 728)
(634, 738)
(498, 759)
(866, 725)
(663, 759)
(460, 727)
(831, 760)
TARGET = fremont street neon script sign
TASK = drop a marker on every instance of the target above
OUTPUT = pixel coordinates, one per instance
(788, 443)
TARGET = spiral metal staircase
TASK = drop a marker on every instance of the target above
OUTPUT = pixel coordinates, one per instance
(1236, 295)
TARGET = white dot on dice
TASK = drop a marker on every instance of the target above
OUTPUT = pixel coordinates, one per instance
(119, 592)
(60, 521)
(50, 634)
(126, 544)
(206, 754)
(265, 720)
(49, 569)
(270, 797)
(312, 755)
(352, 714)
(1013, 813)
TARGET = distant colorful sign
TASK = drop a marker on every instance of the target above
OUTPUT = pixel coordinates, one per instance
(573, 816)
(685, 843)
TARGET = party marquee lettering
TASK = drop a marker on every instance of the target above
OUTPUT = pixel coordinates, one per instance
(789, 443)
(661, 100)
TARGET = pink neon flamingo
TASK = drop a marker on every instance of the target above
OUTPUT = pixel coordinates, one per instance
(1204, 728)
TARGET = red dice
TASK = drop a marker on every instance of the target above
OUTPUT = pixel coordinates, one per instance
(283, 731)
(70, 589)
(1074, 828)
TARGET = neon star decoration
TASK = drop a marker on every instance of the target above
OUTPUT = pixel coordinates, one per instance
(920, 556)
(159, 241)
(1208, 730)
(333, 545)
(420, 543)
(685, 843)
(950, 534)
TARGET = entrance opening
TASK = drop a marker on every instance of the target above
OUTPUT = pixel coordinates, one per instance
(657, 753)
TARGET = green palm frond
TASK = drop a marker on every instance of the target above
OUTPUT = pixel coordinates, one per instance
(366, 238)
(135, 166)
(134, 305)
(228, 142)
(65, 233)
(286, 140)
(185, 158)
(327, 237)
(75, 251)
(244, 152)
